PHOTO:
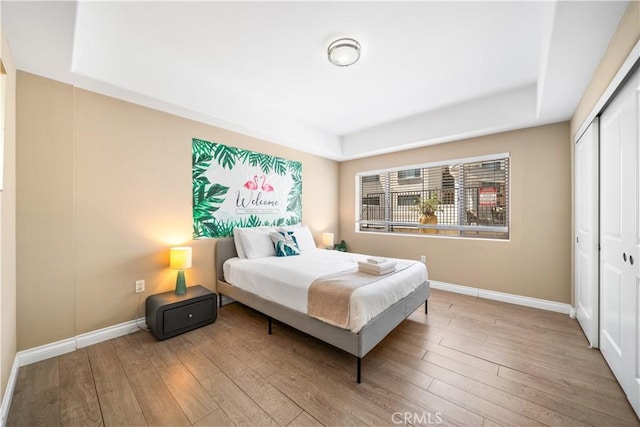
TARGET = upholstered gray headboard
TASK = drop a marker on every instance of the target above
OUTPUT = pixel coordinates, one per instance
(225, 249)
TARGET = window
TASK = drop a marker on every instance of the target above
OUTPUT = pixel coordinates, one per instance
(371, 200)
(472, 198)
(408, 199)
(408, 174)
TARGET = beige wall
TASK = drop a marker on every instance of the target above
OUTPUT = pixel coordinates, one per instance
(8, 224)
(45, 211)
(535, 262)
(105, 190)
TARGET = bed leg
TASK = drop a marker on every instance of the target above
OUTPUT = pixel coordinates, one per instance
(358, 369)
(269, 325)
(426, 308)
(220, 300)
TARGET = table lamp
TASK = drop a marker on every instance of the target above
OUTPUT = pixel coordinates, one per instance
(179, 259)
(327, 240)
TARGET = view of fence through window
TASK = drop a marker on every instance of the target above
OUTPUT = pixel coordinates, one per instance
(461, 198)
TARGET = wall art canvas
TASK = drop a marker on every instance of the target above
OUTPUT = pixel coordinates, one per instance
(233, 187)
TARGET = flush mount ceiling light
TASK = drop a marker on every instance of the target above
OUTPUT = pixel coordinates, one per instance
(344, 52)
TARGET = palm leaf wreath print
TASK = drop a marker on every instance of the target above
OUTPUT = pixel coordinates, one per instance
(233, 187)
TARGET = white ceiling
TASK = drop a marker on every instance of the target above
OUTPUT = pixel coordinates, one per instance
(430, 72)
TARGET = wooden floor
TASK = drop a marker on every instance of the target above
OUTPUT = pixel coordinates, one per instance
(469, 362)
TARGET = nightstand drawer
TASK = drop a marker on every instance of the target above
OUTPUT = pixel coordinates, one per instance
(169, 314)
(188, 316)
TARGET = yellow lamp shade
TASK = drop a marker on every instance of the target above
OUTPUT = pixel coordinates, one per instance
(180, 258)
(327, 239)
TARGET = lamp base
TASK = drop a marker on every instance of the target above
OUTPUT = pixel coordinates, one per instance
(181, 283)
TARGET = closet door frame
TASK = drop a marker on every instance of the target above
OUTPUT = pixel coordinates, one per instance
(587, 231)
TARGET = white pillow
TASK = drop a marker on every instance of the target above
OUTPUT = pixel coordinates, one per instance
(303, 236)
(238, 242)
(256, 242)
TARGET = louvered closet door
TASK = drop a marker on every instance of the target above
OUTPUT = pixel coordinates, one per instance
(619, 238)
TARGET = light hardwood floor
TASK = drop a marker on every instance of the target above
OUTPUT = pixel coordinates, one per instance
(469, 362)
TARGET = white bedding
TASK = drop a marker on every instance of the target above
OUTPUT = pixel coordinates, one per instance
(286, 280)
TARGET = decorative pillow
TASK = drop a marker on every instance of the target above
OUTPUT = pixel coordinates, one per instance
(303, 236)
(256, 242)
(285, 243)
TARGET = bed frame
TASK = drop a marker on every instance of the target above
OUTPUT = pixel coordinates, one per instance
(357, 344)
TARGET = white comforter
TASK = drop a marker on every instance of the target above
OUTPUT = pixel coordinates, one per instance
(286, 280)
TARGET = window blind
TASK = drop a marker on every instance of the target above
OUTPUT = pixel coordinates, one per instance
(472, 198)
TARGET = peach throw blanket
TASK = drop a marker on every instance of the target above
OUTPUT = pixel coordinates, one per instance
(329, 297)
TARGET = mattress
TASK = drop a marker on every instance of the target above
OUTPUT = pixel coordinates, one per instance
(286, 281)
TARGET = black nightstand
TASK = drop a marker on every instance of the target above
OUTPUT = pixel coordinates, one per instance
(169, 314)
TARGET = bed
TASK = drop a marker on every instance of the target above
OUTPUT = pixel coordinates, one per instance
(358, 338)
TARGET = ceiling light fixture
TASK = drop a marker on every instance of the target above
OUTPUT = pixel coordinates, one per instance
(344, 52)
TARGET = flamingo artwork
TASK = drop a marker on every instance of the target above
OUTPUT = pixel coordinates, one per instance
(266, 186)
(252, 185)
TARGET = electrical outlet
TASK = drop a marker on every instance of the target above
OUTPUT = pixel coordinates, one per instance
(423, 259)
(139, 286)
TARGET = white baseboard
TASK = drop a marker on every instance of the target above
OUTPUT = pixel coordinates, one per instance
(104, 334)
(8, 393)
(557, 307)
(47, 351)
(458, 289)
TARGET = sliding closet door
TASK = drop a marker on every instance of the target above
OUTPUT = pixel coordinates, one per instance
(619, 263)
(632, 332)
(586, 253)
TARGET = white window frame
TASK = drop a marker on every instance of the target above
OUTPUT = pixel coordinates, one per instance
(480, 228)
